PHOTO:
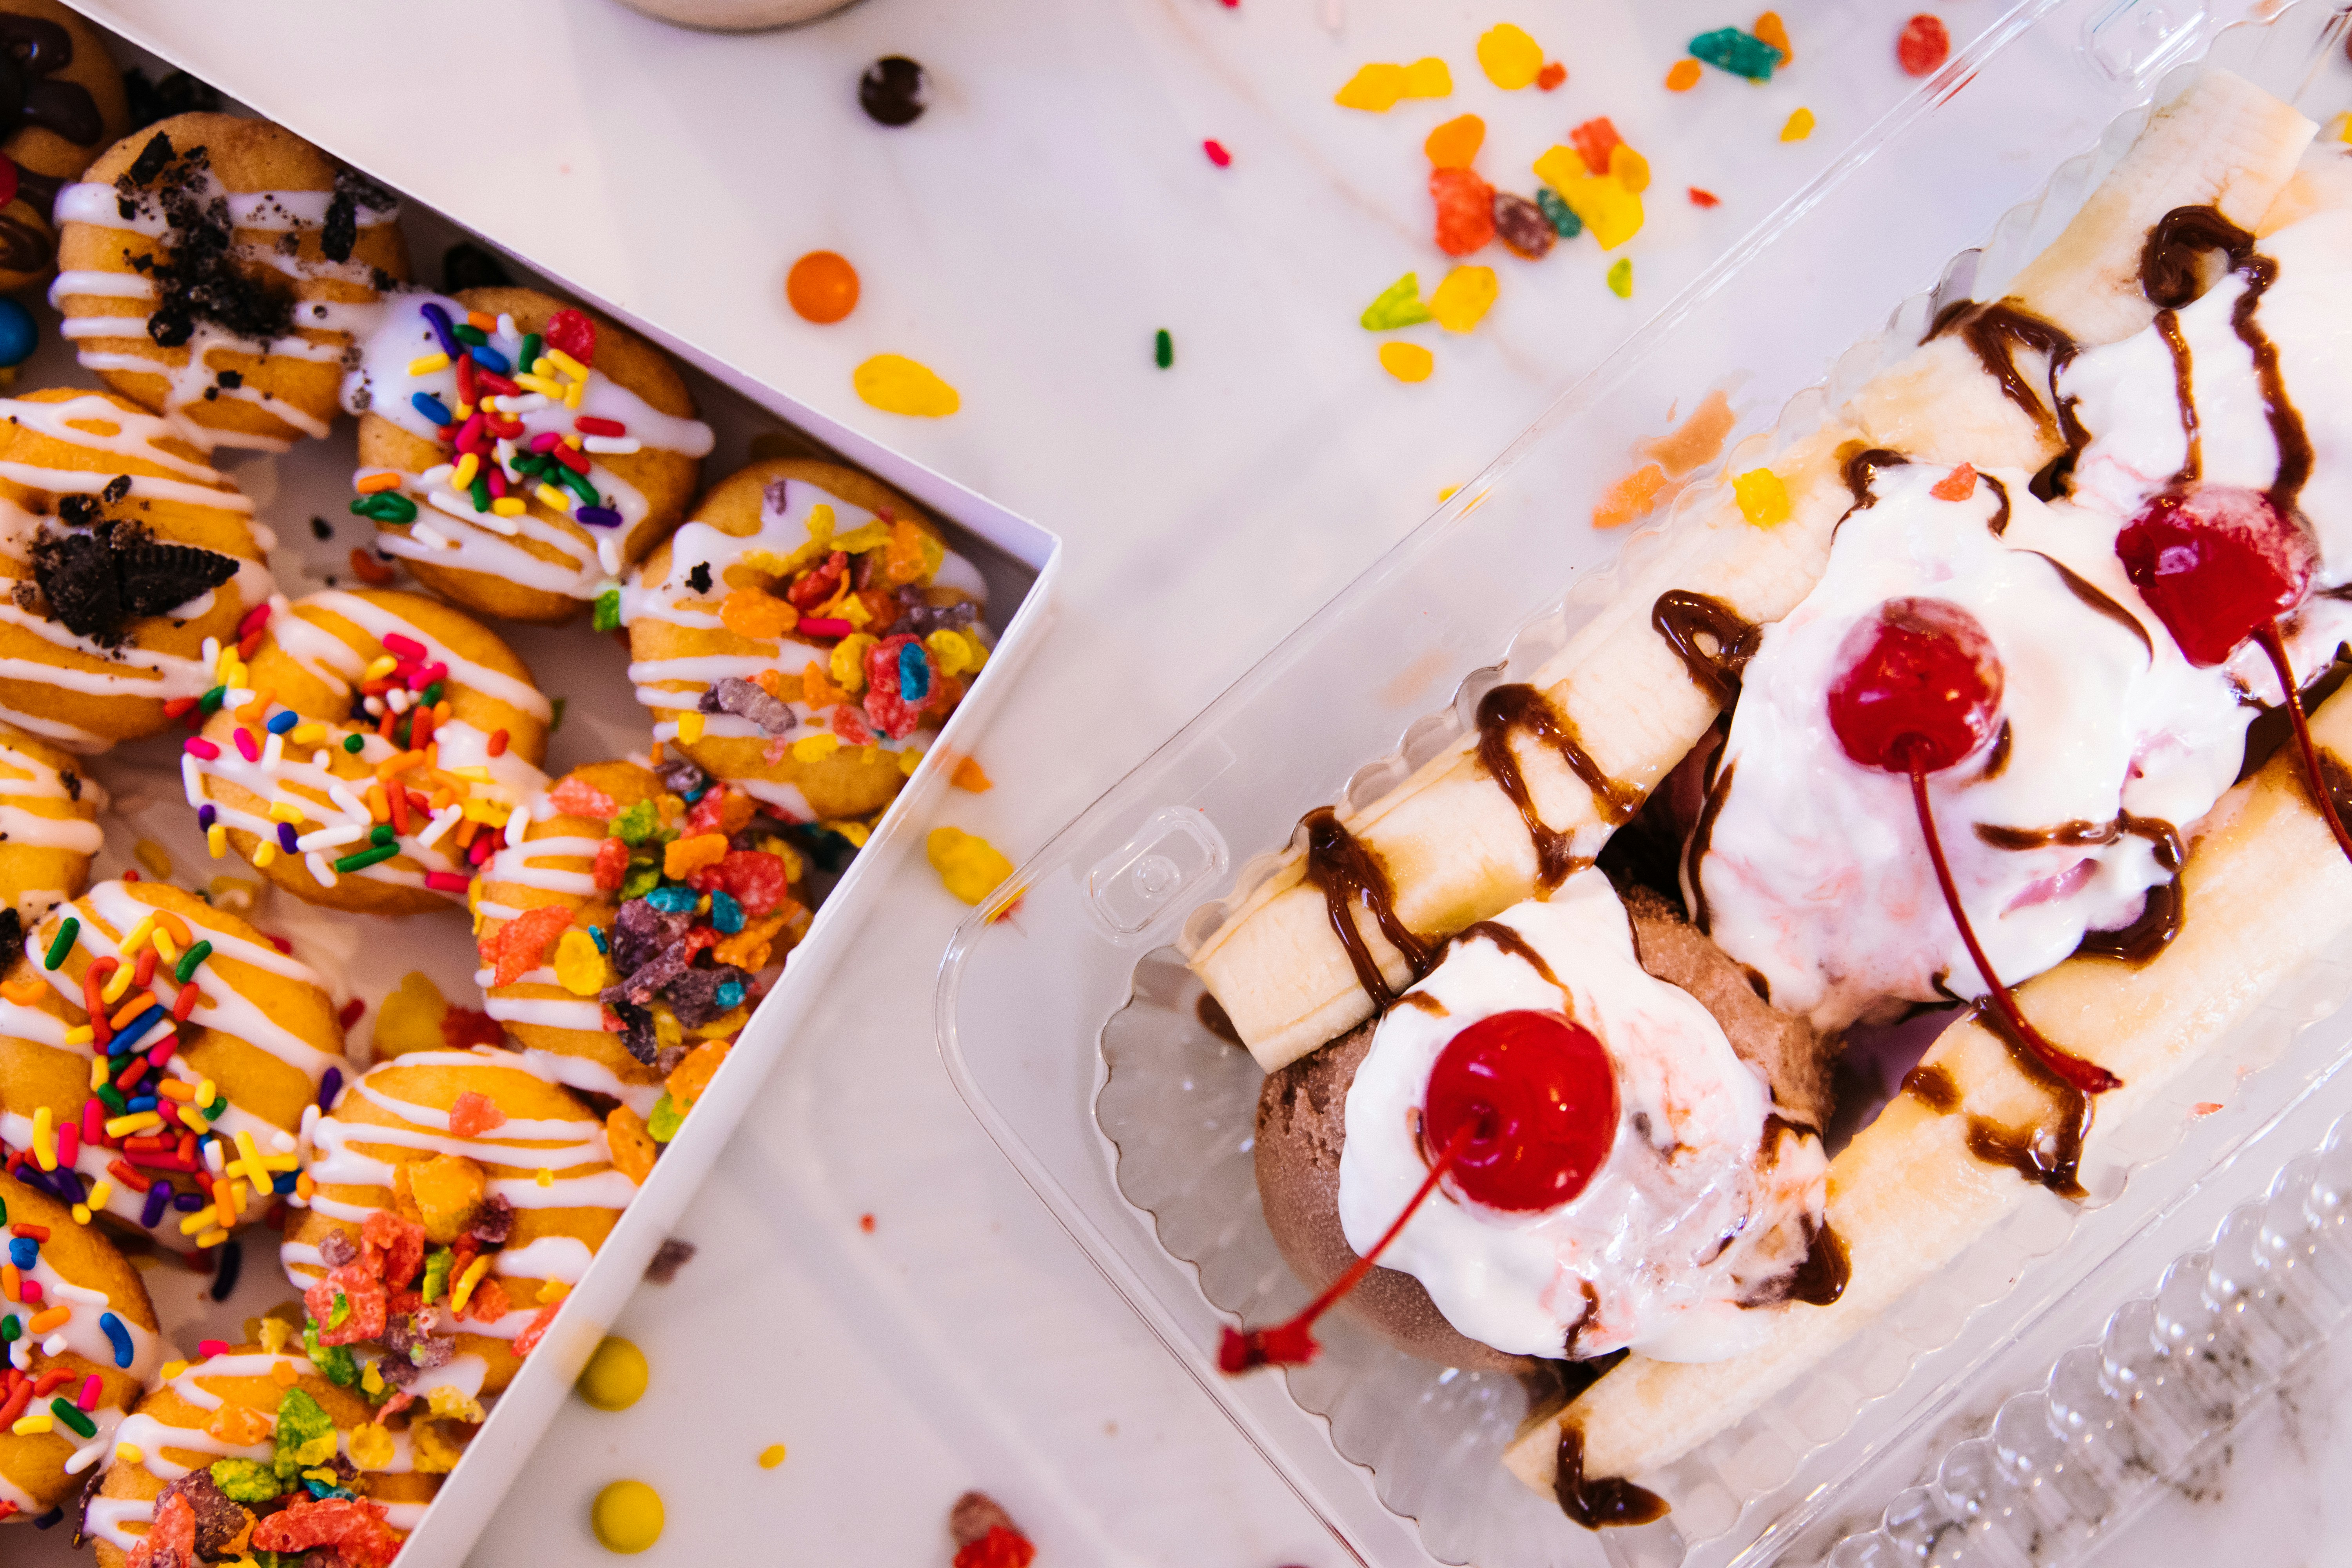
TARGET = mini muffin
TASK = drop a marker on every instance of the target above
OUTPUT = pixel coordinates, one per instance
(802, 636)
(216, 268)
(259, 1036)
(83, 1315)
(612, 957)
(68, 105)
(130, 552)
(218, 1458)
(49, 827)
(459, 1197)
(520, 453)
(412, 684)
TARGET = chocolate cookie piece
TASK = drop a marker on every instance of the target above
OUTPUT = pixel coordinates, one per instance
(1301, 1127)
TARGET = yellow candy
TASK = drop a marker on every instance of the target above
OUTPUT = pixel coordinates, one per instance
(1455, 143)
(816, 748)
(626, 1516)
(952, 651)
(770, 1457)
(1610, 211)
(968, 864)
(1621, 278)
(848, 661)
(1509, 58)
(689, 728)
(1763, 499)
(616, 1375)
(1464, 299)
(1428, 78)
(457, 1404)
(1800, 126)
(580, 968)
(896, 384)
(1407, 361)
(435, 1453)
(1373, 87)
(410, 1019)
(372, 1447)
(1629, 168)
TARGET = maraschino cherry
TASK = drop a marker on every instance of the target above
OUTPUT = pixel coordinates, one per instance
(1919, 691)
(2220, 565)
(1521, 1110)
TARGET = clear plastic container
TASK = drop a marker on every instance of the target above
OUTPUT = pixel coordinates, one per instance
(1071, 1027)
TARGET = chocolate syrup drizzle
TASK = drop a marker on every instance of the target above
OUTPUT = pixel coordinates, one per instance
(1718, 790)
(1508, 709)
(1349, 872)
(2095, 598)
(1682, 618)
(1995, 332)
(1863, 467)
(2159, 918)
(2184, 392)
(1933, 1085)
(2049, 1155)
(1602, 1502)
(1517, 946)
(33, 49)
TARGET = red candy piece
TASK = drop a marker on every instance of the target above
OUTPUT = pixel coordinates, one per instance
(354, 1527)
(1594, 140)
(611, 866)
(391, 1247)
(1920, 685)
(1466, 210)
(522, 942)
(817, 587)
(891, 714)
(171, 1541)
(2217, 564)
(575, 333)
(754, 878)
(850, 725)
(462, 1027)
(1551, 76)
(1537, 1097)
(474, 1114)
(1002, 1547)
(369, 1304)
(1923, 46)
(1217, 154)
(577, 798)
(535, 1330)
(488, 1302)
(1957, 485)
(1699, 198)
(1918, 689)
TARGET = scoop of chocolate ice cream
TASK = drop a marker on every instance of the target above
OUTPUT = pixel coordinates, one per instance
(1302, 1126)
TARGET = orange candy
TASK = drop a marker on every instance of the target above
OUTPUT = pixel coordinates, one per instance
(1453, 144)
(762, 617)
(821, 287)
(1683, 76)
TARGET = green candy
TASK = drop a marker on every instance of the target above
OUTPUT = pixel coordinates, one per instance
(643, 877)
(1741, 53)
(608, 604)
(386, 506)
(1398, 306)
(1564, 221)
(306, 1435)
(437, 1264)
(342, 1367)
(637, 824)
(663, 1124)
(244, 1480)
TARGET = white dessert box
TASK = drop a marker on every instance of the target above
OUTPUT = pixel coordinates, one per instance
(1075, 1032)
(600, 719)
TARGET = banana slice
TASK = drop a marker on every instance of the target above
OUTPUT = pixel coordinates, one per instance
(2266, 891)
(1610, 714)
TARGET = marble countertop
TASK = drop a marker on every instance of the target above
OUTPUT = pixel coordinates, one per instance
(1025, 239)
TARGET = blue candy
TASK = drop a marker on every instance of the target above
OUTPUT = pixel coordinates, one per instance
(281, 723)
(24, 1251)
(726, 913)
(914, 673)
(117, 1336)
(18, 335)
(730, 994)
(491, 360)
(673, 900)
(432, 407)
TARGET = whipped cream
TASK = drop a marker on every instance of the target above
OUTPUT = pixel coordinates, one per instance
(1814, 870)
(1705, 1202)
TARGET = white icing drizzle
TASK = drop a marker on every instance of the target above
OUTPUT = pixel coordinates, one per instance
(463, 539)
(83, 1334)
(24, 776)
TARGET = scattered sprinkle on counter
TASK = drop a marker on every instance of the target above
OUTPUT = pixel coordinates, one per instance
(985, 1536)
(1407, 361)
(1217, 154)
(822, 288)
(1800, 126)
(1682, 75)
(1699, 198)
(1771, 29)
(968, 864)
(616, 1375)
(626, 1516)
(1621, 278)
(772, 1455)
(1163, 349)
(896, 384)
(1923, 45)
(894, 92)
(865, 1223)
(967, 775)
(1463, 297)
(1398, 305)
(1510, 59)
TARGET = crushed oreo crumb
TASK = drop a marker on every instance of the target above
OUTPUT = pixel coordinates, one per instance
(467, 266)
(12, 936)
(699, 578)
(198, 278)
(674, 1255)
(117, 489)
(151, 160)
(321, 530)
(177, 93)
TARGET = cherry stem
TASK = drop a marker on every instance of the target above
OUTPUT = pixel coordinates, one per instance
(2084, 1077)
(2276, 646)
(1290, 1343)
